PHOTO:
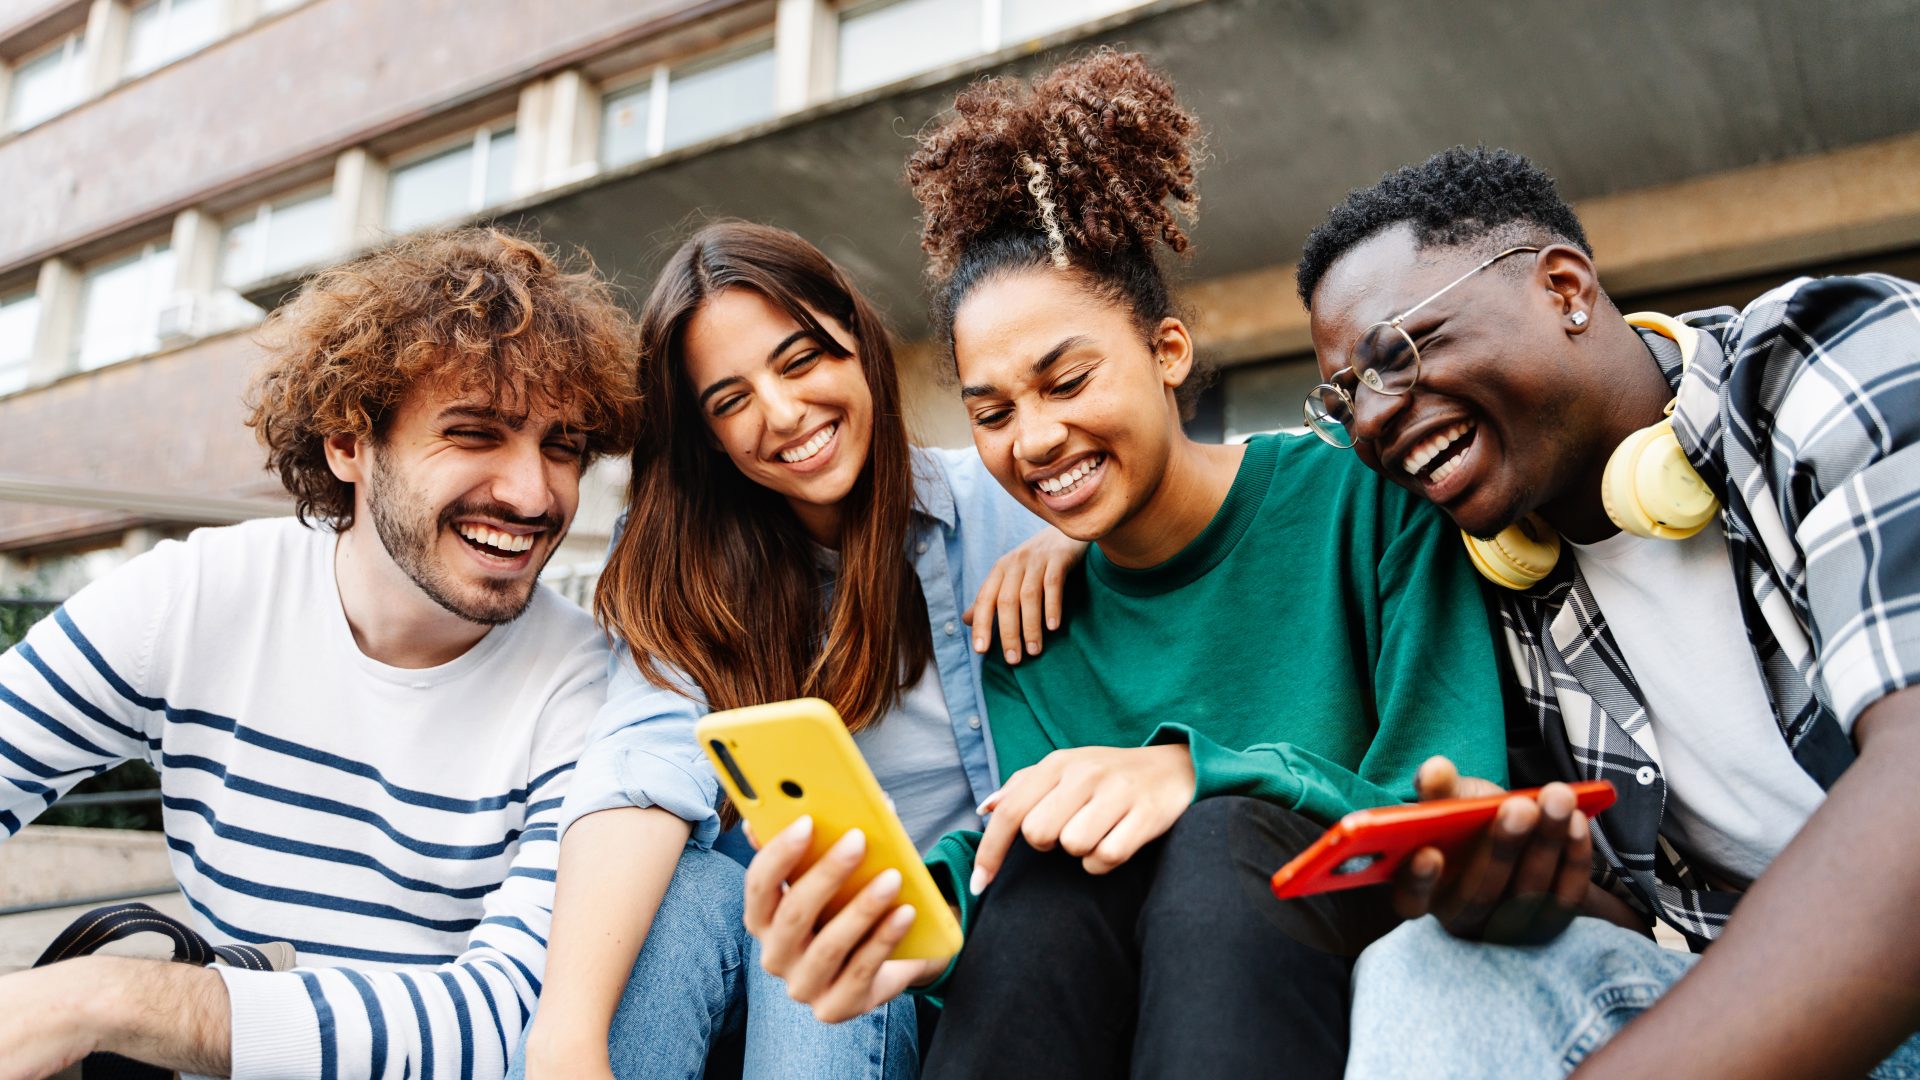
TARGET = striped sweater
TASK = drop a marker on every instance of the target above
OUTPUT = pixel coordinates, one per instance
(395, 826)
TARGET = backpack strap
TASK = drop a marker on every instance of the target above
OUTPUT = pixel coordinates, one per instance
(102, 926)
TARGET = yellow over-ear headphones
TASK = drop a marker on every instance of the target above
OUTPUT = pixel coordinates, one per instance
(1649, 489)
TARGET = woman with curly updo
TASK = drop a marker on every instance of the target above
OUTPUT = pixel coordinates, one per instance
(1262, 638)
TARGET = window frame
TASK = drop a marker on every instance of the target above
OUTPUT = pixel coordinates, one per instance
(150, 249)
(658, 80)
(222, 27)
(261, 213)
(992, 39)
(28, 295)
(72, 47)
(478, 139)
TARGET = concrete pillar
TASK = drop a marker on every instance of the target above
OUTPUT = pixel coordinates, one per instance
(805, 39)
(359, 200)
(236, 15)
(571, 148)
(53, 337)
(530, 125)
(190, 306)
(6, 88)
(196, 252)
(104, 55)
(139, 541)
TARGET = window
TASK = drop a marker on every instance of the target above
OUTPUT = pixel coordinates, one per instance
(681, 106)
(1021, 20)
(626, 125)
(893, 39)
(160, 31)
(45, 84)
(1266, 397)
(885, 42)
(18, 314)
(470, 176)
(120, 305)
(277, 237)
(718, 97)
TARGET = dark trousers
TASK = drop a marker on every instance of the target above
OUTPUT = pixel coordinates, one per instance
(1178, 964)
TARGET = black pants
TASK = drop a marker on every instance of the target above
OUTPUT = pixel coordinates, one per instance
(1178, 964)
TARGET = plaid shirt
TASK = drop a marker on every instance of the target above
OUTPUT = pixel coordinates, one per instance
(1802, 413)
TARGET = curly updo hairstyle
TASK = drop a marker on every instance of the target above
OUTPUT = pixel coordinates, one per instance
(1074, 170)
(472, 310)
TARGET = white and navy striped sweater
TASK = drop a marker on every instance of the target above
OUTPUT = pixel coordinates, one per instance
(396, 826)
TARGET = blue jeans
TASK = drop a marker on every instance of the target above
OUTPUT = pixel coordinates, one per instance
(698, 978)
(1427, 1003)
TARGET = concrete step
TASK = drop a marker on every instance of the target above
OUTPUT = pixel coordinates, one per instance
(49, 863)
(24, 937)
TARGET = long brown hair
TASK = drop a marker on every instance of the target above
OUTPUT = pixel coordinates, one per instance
(714, 575)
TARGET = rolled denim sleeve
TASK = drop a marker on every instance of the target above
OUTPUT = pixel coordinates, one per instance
(642, 753)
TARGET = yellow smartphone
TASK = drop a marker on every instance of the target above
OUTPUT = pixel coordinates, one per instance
(787, 759)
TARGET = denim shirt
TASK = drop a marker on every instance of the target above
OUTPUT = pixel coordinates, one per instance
(641, 751)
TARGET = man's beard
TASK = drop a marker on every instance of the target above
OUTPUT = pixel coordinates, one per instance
(408, 528)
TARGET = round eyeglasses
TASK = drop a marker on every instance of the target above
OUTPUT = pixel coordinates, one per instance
(1385, 359)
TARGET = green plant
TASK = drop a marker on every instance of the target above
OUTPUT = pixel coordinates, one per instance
(17, 615)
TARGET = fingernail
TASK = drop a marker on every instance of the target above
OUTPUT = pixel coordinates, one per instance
(887, 884)
(1053, 624)
(978, 881)
(987, 804)
(850, 846)
(1013, 656)
(1033, 648)
(902, 916)
(800, 831)
(979, 644)
(1576, 825)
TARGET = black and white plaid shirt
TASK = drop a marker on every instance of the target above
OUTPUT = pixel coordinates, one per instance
(1802, 413)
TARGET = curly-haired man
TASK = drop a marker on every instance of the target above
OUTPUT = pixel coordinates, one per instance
(1730, 633)
(363, 716)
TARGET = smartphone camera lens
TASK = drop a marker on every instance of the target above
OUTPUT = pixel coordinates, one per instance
(733, 769)
(791, 789)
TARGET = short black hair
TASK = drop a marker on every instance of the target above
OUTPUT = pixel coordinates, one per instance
(1455, 197)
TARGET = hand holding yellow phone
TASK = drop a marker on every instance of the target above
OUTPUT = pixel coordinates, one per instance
(789, 759)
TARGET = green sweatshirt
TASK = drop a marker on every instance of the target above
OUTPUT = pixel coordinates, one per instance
(1320, 638)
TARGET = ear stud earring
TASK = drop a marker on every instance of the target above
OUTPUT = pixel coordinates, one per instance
(1579, 318)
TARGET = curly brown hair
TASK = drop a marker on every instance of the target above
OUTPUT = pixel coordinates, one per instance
(1074, 170)
(469, 310)
(1088, 154)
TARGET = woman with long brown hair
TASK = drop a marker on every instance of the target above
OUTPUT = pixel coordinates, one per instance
(783, 539)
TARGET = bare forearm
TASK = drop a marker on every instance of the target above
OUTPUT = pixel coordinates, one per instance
(1818, 974)
(173, 1015)
(614, 869)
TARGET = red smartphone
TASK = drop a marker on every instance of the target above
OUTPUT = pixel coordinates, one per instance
(1367, 846)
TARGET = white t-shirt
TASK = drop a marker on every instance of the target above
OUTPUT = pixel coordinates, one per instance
(914, 756)
(1735, 796)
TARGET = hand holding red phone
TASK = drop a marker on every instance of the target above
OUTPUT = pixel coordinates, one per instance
(837, 965)
(1535, 848)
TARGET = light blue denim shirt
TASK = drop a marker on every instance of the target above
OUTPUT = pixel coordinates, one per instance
(641, 751)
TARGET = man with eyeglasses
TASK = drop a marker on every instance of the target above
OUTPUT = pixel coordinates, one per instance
(1730, 633)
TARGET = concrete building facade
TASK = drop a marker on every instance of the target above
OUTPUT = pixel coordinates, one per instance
(169, 169)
